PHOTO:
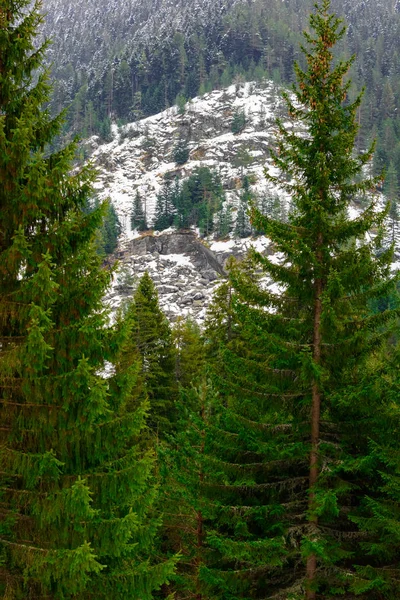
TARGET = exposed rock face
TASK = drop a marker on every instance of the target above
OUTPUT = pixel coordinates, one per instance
(141, 154)
(185, 271)
(179, 242)
(184, 268)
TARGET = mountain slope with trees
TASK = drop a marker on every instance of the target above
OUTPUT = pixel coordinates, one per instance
(256, 459)
(126, 60)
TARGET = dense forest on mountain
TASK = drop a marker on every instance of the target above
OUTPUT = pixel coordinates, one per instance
(255, 459)
(126, 62)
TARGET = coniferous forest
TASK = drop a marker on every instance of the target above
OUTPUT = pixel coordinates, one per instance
(254, 458)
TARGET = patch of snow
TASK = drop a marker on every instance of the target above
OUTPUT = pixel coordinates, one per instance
(222, 246)
(178, 259)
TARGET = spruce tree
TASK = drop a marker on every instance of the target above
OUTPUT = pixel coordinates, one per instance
(218, 505)
(164, 213)
(76, 488)
(238, 121)
(138, 215)
(189, 352)
(391, 189)
(243, 226)
(181, 152)
(110, 231)
(293, 353)
(224, 222)
(152, 336)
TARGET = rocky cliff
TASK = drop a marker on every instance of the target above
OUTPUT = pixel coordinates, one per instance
(184, 269)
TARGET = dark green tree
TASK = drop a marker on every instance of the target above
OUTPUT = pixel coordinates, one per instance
(293, 451)
(152, 336)
(391, 190)
(197, 199)
(76, 488)
(181, 152)
(238, 121)
(323, 330)
(243, 226)
(138, 215)
(217, 500)
(223, 222)
(164, 213)
(189, 352)
(110, 230)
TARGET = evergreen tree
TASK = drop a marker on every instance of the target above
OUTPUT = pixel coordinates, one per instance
(110, 230)
(224, 222)
(391, 190)
(189, 352)
(379, 521)
(187, 514)
(217, 501)
(181, 102)
(330, 278)
(238, 121)
(243, 226)
(197, 200)
(298, 474)
(183, 203)
(164, 214)
(76, 489)
(138, 216)
(152, 337)
(181, 152)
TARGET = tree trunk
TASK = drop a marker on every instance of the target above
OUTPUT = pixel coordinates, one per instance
(200, 536)
(315, 425)
(199, 515)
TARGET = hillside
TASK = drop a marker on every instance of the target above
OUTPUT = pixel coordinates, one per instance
(185, 267)
(128, 60)
(141, 154)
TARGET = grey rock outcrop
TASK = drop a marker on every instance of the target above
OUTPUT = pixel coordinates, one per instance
(184, 270)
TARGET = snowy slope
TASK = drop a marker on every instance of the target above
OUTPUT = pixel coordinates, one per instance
(183, 271)
(184, 268)
(126, 165)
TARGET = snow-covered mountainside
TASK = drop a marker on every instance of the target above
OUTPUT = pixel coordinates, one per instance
(141, 153)
(108, 26)
(184, 267)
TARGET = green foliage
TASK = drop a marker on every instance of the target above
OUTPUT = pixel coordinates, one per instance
(181, 102)
(243, 227)
(197, 199)
(224, 222)
(238, 121)
(189, 353)
(164, 213)
(110, 231)
(110, 228)
(181, 152)
(138, 215)
(77, 488)
(216, 495)
(391, 190)
(284, 363)
(152, 339)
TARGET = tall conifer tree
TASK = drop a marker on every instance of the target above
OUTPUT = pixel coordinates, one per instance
(76, 489)
(152, 336)
(291, 355)
(138, 215)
